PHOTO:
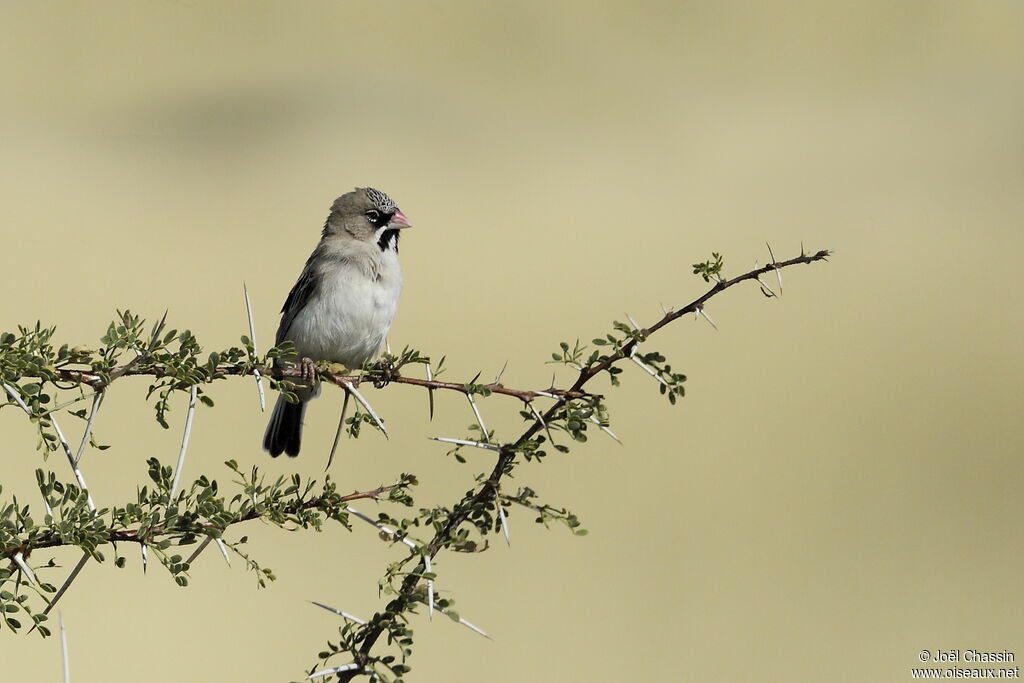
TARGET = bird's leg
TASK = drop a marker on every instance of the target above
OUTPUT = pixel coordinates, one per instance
(308, 369)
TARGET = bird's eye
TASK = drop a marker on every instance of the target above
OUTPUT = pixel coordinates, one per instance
(373, 216)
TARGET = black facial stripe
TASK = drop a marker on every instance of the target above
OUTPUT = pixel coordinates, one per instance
(382, 219)
(388, 240)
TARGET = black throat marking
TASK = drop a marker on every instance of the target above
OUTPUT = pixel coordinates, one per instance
(388, 240)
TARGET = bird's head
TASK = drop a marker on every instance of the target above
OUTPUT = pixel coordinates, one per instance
(366, 214)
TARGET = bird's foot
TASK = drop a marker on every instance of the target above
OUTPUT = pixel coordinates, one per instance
(308, 369)
(383, 371)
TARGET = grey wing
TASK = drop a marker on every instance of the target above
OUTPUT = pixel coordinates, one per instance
(305, 288)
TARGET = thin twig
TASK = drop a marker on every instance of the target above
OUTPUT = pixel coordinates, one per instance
(127, 367)
(202, 546)
(430, 391)
(67, 583)
(765, 289)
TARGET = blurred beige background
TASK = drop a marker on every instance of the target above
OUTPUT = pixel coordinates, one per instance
(840, 489)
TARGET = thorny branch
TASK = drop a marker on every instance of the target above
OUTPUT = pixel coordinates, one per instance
(54, 539)
(447, 526)
(377, 377)
(488, 489)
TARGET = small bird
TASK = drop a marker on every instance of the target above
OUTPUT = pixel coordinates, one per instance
(342, 305)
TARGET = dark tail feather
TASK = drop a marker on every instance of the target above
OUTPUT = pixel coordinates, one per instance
(284, 431)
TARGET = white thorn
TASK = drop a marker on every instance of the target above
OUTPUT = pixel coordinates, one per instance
(259, 391)
(366, 405)
(333, 670)
(184, 441)
(63, 442)
(467, 442)
(252, 338)
(223, 550)
(337, 434)
(97, 399)
(548, 394)
(497, 380)
(343, 615)
(504, 520)
(17, 398)
(19, 559)
(604, 429)
(64, 649)
(778, 271)
(632, 322)
(479, 417)
(474, 628)
(387, 530)
(430, 586)
(46, 503)
(79, 477)
(650, 371)
(701, 313)
(144, 552)
(540, 419)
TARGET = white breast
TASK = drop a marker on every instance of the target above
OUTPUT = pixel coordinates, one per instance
(348, 319)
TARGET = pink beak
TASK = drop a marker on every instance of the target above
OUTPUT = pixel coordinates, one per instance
(399, 221)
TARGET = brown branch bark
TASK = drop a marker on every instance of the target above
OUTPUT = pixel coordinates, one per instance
(379, 379)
